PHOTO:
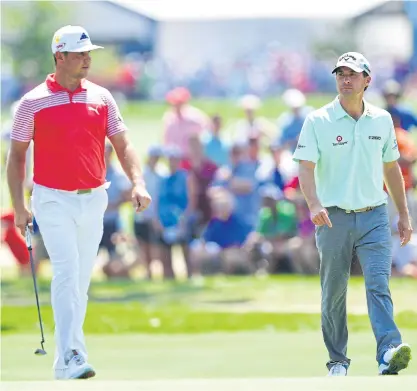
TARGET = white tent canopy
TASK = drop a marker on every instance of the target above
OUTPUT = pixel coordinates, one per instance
(192, 10)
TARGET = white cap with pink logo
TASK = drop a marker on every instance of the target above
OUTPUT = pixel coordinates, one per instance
(72, 39)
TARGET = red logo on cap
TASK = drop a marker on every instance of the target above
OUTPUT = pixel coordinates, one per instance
(339, 139)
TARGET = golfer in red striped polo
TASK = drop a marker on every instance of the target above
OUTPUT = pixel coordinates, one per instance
(68, 118)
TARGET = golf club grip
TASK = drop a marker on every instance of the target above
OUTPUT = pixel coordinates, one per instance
(28, 237)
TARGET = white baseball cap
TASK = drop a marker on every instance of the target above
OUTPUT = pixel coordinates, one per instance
(355, 61)
(250, 102)
(294, 98)
(72, 39)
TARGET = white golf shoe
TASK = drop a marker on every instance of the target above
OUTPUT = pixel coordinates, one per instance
(395, 359)
(78, 368)
(338, 369)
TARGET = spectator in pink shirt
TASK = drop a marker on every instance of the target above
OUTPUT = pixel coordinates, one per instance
(182, 120)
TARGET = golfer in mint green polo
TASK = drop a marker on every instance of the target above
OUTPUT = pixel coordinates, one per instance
(346, 150)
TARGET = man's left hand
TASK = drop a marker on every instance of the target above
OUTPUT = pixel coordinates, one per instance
(404, 229)
(140, 198)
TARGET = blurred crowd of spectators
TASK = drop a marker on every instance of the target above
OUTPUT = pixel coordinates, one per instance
(235, 206)
(265, 71)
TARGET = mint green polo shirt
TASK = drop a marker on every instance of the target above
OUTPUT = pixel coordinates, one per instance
(349, 154)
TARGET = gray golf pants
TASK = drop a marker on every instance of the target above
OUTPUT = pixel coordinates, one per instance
(368, 234)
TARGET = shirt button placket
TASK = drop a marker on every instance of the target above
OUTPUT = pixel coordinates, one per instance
(356, 133)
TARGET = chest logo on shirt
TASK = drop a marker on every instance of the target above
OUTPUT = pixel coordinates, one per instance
(339, 141)
(91, 108)
(374, 138)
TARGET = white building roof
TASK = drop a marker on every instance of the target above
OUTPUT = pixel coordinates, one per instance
(189, 10)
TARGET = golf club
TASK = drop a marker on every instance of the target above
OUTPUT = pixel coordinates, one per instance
(38, 352)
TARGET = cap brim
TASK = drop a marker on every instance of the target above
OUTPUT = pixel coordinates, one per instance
(86, 48)
(347, 65)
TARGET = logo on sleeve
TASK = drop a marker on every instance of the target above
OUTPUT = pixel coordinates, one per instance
(395, 144)
(374, 138)
(300, 146)
(340, 141)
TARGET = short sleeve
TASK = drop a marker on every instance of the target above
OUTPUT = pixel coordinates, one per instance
(390, 151)
(307, 148)
(23, 122)
(115, 123)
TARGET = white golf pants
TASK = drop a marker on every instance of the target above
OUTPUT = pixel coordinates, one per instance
(71, 225)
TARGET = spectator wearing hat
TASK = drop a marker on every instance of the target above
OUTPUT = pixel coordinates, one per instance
(182, 120)
(173, 207)
(215, 148)
(404, 258)
(239, 178)
(269, 170)
(253, 125)
(201, 174)
(392, 93)
(147, 227)
(408, 157)
(290, 122)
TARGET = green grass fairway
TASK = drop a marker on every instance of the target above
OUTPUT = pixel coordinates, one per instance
(142, 333)
(138, 357)
(284, 303)
(287, 384)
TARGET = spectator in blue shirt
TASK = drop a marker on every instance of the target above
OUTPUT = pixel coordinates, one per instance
(291, 122)
(269, 171)
(215, 149)
(240, 179)
(392, 93)
(172, 207)
(220, 248)
(146, 225)
(118, 192)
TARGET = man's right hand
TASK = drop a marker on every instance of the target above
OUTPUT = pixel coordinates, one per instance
(320, 216)
(22, 219)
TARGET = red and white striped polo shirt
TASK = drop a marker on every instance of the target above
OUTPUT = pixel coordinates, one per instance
(69, 131)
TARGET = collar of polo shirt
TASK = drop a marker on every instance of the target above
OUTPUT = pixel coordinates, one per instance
(54, 86)
(340, 112)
